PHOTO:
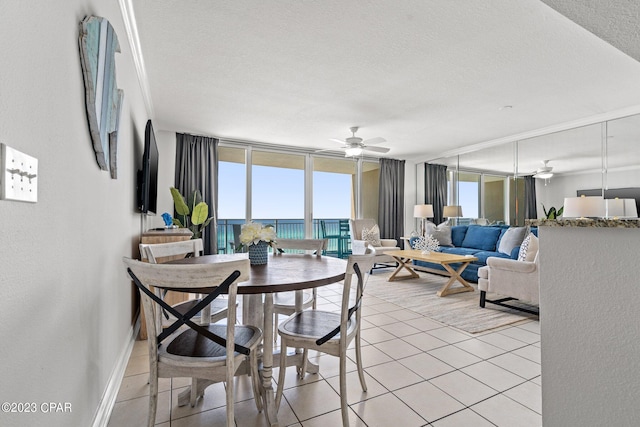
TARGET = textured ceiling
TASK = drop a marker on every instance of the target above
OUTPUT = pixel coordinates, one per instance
(615, 21)
(429, 76)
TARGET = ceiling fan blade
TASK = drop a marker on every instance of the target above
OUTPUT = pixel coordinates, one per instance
(373, 141)
(339, 141)
(376, 149)
(324, 150)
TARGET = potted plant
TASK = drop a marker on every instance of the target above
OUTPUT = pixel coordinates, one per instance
(257, 237)
(552, 213)
(192, 213)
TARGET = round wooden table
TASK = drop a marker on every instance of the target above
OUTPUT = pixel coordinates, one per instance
(284, 272)
(288, 272)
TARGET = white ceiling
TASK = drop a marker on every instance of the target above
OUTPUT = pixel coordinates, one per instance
(429, 76)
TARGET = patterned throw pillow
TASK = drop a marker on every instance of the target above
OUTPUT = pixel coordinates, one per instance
(372, 235)
(522, 254)
(529, 248)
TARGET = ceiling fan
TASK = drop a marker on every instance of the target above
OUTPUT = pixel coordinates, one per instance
(545, 172)
(354, 146)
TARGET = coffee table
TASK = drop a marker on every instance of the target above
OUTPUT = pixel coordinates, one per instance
(404, 258)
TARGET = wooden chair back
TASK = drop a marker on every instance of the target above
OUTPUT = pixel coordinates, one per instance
(194, 277)
(316, 245)
(157, 253)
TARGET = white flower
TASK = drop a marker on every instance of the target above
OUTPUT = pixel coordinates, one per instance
(252, 232)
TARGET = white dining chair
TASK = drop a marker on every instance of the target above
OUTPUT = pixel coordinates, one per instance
(207, 353)
(156, 253)
(284, 302)
(330, 332)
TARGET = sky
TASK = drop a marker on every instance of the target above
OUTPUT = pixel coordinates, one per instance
(278, 193)
(468, 198)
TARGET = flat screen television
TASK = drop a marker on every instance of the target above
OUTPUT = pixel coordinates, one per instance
(148, 175)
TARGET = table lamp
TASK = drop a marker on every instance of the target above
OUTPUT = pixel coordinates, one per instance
(452, 211)
(423, 212)
(584, 207)
(621, 208)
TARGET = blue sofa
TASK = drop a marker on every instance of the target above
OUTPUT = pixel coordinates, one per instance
(480, 241)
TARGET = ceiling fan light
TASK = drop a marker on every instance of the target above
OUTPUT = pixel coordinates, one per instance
(353, 151)
(543, 175)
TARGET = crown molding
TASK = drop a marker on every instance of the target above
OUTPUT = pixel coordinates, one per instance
(131, 27)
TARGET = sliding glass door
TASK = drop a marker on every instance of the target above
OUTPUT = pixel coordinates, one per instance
(277, 192)
(301, 194)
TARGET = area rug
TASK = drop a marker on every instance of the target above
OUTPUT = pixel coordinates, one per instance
(460, 311)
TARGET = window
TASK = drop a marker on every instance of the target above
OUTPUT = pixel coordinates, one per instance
(292, 191)
(232, 197)
(468, 196)
(495, 191)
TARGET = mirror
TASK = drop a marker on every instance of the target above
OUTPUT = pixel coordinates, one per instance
(598, 156)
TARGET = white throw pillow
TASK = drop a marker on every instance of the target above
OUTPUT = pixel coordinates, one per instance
(529, 248)
(372, 235)
(442, 233)
(512, 238)
(429, 228)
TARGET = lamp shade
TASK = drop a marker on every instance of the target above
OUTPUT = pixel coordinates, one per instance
(584, 207)
(621, 208)
(423, 211)
(453, 211)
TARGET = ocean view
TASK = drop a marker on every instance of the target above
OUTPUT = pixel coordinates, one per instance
(229, 230)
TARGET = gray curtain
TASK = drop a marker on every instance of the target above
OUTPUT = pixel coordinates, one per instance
(391, 199)
(435, 189)
(530, 202)
(197, 169)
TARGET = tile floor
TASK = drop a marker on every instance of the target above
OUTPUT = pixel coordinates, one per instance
(419, 373)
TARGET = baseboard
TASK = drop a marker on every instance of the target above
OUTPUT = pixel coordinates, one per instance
(108, 401)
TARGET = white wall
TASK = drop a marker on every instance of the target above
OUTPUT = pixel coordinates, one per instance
(66, 304)
(589, 303)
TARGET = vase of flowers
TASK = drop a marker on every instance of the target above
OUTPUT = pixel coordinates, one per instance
(257, 238)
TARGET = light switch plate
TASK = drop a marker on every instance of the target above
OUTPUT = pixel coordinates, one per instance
(19, 175)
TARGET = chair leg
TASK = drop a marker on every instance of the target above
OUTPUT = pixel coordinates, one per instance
(230, 395)
(194, 392)
(344, 407)
(255, 379)
(483, 298)
(283, 368)
(153, 400)
(275, 328)
(303, 367)
(359, 362)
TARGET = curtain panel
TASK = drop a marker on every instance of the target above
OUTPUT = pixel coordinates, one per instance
(197, 169)
(391, 199)
(530, 201)
(435, 189)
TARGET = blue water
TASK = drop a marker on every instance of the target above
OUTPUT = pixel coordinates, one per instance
(285, 229)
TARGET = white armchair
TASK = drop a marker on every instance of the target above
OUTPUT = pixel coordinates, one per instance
(359, 245)
(512, 279)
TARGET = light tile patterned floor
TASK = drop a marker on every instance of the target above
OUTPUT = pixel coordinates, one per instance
(419, 373)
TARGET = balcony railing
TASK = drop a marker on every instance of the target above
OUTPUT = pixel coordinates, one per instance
(229, 233)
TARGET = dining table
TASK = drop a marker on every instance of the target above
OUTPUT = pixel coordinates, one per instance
(281, 273)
